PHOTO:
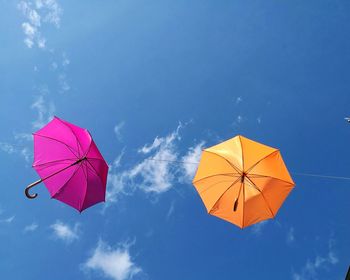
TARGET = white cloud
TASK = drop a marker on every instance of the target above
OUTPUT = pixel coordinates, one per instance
(115, 263)
(160, 169)
(155, 174)
(30, 228)
(118, 183)
(45, 111)
(191, 160)
(312, 268)
(51, 11)
(65, 232)
(259, 120)
(43, 11)
(117, 130)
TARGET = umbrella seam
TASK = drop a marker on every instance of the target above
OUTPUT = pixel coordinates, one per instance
(220, 156)
(268, 205)
(86, 178)
(224, 193)
(243, 204)
(65, 184)
(95, 171)
(213, 185)
(277, 150)
(76, 138)
(54, 139)
(259, 176)
(210, 176)
(91, 141)
(240, 140)
(54, 161)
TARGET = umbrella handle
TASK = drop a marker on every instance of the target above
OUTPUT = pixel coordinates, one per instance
(26, 191)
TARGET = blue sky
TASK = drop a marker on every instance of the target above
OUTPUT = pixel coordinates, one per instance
(165, 79)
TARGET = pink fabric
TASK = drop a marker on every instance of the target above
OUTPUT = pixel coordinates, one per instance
(57, 146)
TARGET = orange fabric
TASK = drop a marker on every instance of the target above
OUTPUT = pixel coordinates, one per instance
(246, 173)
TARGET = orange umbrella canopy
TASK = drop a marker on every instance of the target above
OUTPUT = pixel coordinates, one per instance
(242, 181)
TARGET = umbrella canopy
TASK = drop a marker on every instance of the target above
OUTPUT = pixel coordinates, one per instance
(242, 181)
(69, 164)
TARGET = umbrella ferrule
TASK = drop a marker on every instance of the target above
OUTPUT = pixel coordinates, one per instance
(80, 160)
(243, 176)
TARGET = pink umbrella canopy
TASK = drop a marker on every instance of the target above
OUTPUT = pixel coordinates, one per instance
(69, 164)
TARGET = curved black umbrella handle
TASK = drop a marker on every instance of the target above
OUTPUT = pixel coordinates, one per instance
(26, 191)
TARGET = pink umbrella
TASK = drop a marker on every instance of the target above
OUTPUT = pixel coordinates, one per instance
(69, 164)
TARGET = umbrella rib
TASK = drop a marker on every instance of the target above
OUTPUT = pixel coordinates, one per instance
(99, 159)
(262, 160)
(242, 182)
(225, 192)
(255, 187)
(71, 149)
(54, 161)
(210, 176)
(86, 189)
(240, 140)
(212, 185)
(263, 176)
(220, 156)
(95, 171)
(76, 138)
(88, 150)
(243, 204)
(65, 184)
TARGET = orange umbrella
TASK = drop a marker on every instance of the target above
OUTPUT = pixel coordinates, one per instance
(242, 181)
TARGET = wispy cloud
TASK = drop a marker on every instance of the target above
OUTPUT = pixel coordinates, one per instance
(238, 100)
(114, 263)
(312, 268)
(8, 220)
(16, 150)
(36, 14)
(171, 210)
(160, 168)
(65, 60)
(257, 229)
(63, 83)
(191, 160)
(290, 235)
(118, 185)
(30, 228)
(117, 130)
(238, 120)
(45, 111)
(7, 148)
(65, 232)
